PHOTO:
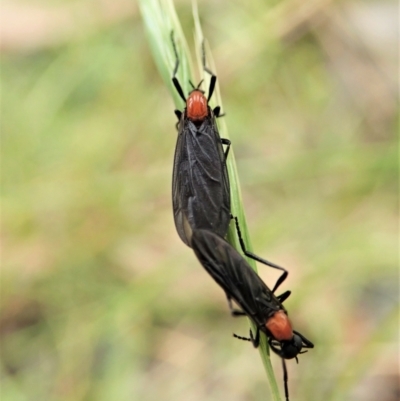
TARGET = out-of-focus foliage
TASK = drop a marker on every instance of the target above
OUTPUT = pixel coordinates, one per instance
(100, 300)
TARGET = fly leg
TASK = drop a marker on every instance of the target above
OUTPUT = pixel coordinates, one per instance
(285, 379)
(213, 79)
(234, 312)
(306, 343)
(174, 78)
(226, 142)
(251, 255)
(178, 114)
(254, 340)
(217, 112)
(237, 313)
(281, 298)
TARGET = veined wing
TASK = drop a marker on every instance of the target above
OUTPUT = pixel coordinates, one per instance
(200, 180)
(231, 271)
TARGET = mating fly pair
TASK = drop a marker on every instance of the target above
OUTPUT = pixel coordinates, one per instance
(200, 183)
(201, 205)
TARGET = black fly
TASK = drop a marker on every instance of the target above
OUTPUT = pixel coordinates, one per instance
(200, 183)
(242, 285)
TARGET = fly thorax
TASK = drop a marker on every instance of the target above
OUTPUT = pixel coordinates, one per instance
(196, 106)
(279, 326)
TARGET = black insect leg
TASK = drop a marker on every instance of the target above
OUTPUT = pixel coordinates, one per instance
(306, 343)
(275, 346)
(212, 83)
(226, 142)
(285, 379)
(213, 76)
(251, 255)
(241, 338)
(281, 298)
(178, 114)
(234, 312)
(255, 341)
(217, 112)
(178, 87)
(174, 79)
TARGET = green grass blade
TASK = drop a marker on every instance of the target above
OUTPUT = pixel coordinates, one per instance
(160, 19)
(236, 196)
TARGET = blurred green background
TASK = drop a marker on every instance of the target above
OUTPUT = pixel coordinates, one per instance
(99, 298)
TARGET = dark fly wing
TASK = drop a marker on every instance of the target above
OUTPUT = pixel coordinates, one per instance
(181, 187)
(200, 184)
(231, 271)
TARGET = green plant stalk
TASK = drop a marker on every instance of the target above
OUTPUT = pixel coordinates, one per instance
(160, 19)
